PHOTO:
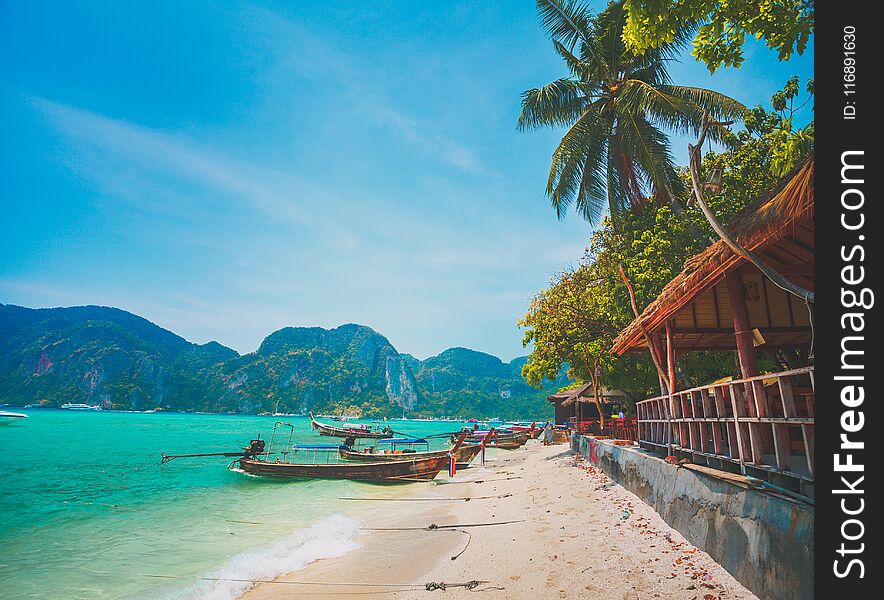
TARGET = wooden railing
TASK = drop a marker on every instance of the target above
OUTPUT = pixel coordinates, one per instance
(616, 428)
(763, 422)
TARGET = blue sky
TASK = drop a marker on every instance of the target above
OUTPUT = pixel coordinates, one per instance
(225, 169)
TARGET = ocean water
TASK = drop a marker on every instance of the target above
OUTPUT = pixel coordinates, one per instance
(89, 512)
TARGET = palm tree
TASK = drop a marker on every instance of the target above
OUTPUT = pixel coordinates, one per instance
(616, 106)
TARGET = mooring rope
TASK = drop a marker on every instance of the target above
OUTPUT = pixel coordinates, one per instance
(434, 527)
(464, 499)
(475, 481)
(430, 586)
(430, 527)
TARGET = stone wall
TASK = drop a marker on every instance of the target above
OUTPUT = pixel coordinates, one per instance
(764, 541)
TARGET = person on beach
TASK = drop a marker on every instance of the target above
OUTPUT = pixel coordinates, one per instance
(547, 436)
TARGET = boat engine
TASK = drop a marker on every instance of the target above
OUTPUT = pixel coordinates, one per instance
(255, 447)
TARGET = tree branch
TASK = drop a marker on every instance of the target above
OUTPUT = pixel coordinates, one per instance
(733, 244)
(661, 373)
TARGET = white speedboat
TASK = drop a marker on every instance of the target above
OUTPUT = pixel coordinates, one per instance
(70, 406)
(11, 417)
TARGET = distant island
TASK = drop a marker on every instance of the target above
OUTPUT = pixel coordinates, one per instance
(107, 356)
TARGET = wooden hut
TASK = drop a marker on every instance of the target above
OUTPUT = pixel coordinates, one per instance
(578, 405)
(761, 423)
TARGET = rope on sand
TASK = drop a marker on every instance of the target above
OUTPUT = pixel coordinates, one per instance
(458, 527)
(475, 481)
(430, 527)
(431, 586)
(434, 527)
(464, 499)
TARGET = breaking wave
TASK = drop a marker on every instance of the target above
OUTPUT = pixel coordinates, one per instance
(332, 536)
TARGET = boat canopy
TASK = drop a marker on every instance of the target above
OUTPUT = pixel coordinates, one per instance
(316, 447)
(402, 441)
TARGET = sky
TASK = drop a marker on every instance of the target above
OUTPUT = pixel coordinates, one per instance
(225, 169)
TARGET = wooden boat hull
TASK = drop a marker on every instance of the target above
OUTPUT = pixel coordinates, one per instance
(331, 430)
(507, 441)
(465, 455)
(501, 444)
(403, 470)
(345, 433)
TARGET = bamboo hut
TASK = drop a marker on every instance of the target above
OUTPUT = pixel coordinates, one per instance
(761, 423)
(578, 404)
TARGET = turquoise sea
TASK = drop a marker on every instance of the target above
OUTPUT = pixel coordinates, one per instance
(89, 512)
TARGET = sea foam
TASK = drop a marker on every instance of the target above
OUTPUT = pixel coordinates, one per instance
(328, 538)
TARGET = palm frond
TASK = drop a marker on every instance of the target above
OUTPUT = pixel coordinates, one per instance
(567, 21)
(624, 178)
(608, 39)
(684, 36)
(576, 173)
(718, 105)
(578, 68)
(650, 67)
(592, 200)
(559, 103)
(648, 147)
(672, 112)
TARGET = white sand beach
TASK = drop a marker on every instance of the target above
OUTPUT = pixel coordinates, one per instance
(578, 535)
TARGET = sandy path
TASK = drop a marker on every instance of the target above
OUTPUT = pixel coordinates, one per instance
(583, 536)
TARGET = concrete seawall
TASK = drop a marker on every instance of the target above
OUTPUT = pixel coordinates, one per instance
(764, 541)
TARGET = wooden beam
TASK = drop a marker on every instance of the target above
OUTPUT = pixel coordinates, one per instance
(766, 301)
(730, 331)
(781, 267)
(742, 329)
(759, 435)
(670, 367)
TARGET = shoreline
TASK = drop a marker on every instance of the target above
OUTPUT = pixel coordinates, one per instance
(578, 533)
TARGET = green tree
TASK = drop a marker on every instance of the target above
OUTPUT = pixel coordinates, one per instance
(585, 307)
(784, 25)
(617, 106)
(573, 322)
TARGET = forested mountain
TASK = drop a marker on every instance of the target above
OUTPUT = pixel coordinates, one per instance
(95, 354)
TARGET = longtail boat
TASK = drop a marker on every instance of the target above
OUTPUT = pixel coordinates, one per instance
(510, 444)
(463, 457)
(408, 469)
(354, 431)
(507, 440)
(474, 437)
(403, 470)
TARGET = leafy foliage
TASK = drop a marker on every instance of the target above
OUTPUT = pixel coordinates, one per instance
(575, 319)
(784, 25)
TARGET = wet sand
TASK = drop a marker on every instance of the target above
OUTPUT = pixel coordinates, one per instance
(579, 535)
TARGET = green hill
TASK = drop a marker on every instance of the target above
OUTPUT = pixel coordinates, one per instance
(460, 381)
(95, 354)
(349, 369)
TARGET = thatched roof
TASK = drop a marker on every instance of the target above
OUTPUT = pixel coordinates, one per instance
(584, 393)
(759, 225)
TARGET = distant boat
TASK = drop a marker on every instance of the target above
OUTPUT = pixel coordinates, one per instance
(354, 431)
(70, 406)
(11, 417)
(463, 456)
(34, 406)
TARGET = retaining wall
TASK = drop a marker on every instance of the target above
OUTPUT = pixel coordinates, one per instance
(764, 541)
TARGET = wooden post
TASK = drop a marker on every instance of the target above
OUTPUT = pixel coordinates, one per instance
(742, 330)
(670, 368)
(759, 434)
